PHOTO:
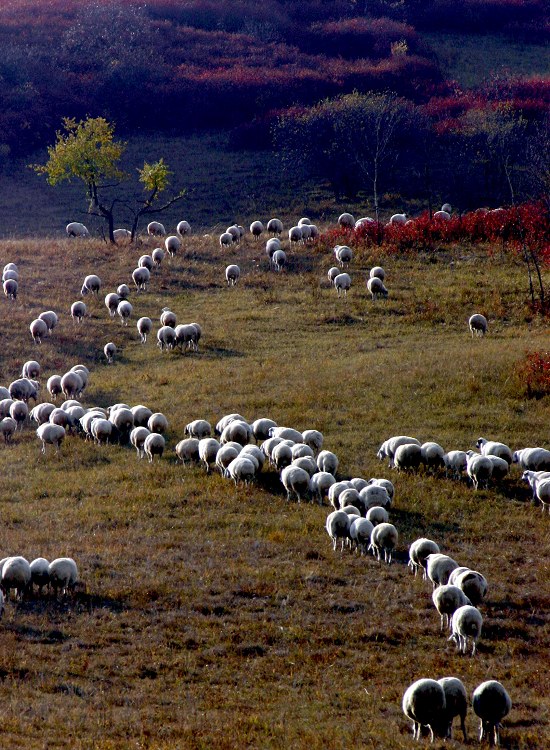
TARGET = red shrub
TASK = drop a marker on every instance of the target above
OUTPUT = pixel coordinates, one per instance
(534, 372)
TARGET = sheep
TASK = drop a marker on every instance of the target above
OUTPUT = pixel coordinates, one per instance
(78, 311)
(102, 430)
(256, 229)
(275, 226)
(320, 483)
(40, 574)
(455, 462)
(344, 255)
(4, 393)
(226, 454)
(491, 703)
(241, 470)
(226, 240)
(539, 481)
(376, 288)
(418, 554)
(110, 350)
(224, 421)
(141, 415)
(447, 599)
(286, 433)
(492, 448)
(398, 219)
(466, 622)
(38, 330)
(123, 291)
(441, 216)
(63, 575)
(199, 428)
(281, 456)
(168, 318)
(407, 457)
(41, 413)
(124, 310)
(254, 452)
(122, 235)
(271, 246)
(473, 584)
(188, 450)
(360, 532)
(501, 468)
(261, 428)
(141, 277)
(479, 469)
(232, 274)
(279, 260)
(375, 495)
(157, 423)
(157, 256)
(16, 574)
(92, 283)
(306, 463)
(24, 389)
(10, 287)
(439, 568)
(384, 537)
(337, 526)
(389, 446)
(532, 459)
(433, 456)
(8, 426)
(183, 228)
(314, 439)
(301, 449)
(144, 327)
(31, 369)
(335, 490)
(72, 384)
(172, 244)
(156, 229)
(477, 325)
(9, 274)
(234, 232)
(146, 261)
(123, 419)
(84, 373)
(19, 411)
(327, 461)
(154, 446)
(50, 319)
(60, 417)
(376, 514)
(5, 406)
(346, 220)
(76, 229)
(208, 450)
(342, 283)
(295, 481)
(185, 336)
(377, 273)
(447, 208)
(424, 703)
(111, 303)
(51, 434)
(385, 483)
(295, 235)
(456, 704)
(237, 431)
(10, 267)
(333, 273)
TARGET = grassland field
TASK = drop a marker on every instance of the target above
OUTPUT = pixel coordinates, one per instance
(218, 616)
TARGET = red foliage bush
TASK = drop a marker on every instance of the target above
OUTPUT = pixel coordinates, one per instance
(360, 37)
(534, 372)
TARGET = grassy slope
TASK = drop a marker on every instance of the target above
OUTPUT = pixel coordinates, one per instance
(219, 617)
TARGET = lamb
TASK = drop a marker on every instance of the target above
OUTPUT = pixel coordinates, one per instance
(477, 325)
(10, 287)
(241, 470)
(466, 622)
(384, 537)
(344, 255)
(376, 288)
(51, 434)
(342, 283)
(327, 461)
(491, 703)
(232, 274)
(157, 423)
(154, 446)
(377, 273)
(188, 450)
(439, 567)
(141, 277)
(124, 311)
(447, 600)
(256, 229)
(92, 283)
(295, 481)
(279, 260)
(337, 526)
(144, 326)
(172, 245)
(261, 428)
(456, 704)
(275, 226)
(63, 575)
(157, 256)
(320, 483)
(40, 574)
(208, 450)
(295, 235)
(110, 350)
(199, 428)
(532, 459)
(418, 554)
(492, 448)
(122, 235)
(16, 574)
(424, 703)
(455, 462)
(50, 319)
(8, 426)
(398, 219)
(407, 457)
(346, 220)
(183, 228)
(76, 229)
(78, 311)
(479, 469)
(156, 229)
(146, 261)
(38, 330)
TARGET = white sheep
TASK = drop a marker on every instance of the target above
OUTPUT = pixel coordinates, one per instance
(279, 260)
(198, 428)
(295, 481)
(101, 430)
(256, 229)
(252, 451)
(123, 291)
(208, 450)
(157, 423)
(344, 255)
(372, 495)
(378, 273)
(376, 288)
(492, 448)
(124, 310)
(92, 283)
(144, 327)
(439, 568)
(72, 384)
(398, 219)
(539, 481)
(384, 538)
(24, 389)
(226, 240)
(19, 411)
(281, 455)
(188, 450)
(50, 319)
(272, 245)
(433, 455)
(261, 428)
(111, 303)
(346, 220)
(320, 483)
(364, 221)
(54, 386)
(295, 235)
(360, 532)
(157, 256)
(40, 573)
(78, 311)
(154, 446)
(301, 449)
(141, 415)
(328, 461)
(418, 554)
(491, 703)
(141, 277)
(314, 439)
(183, 228)
(455, 463)
(10, 287)
(168, 318)
(477, 324)
(456, 704)
(63, 575)
(407, 457)
(241, 470)
(232, 274)
(447, 599)
(479, 469)
(442, 216)
(110, 350)
(424, 703)
(532, 459)
(121, 236)
(337, 526)
(501, 468)
(466, 623)
(38, 330)
(307, 464)
(146, 261)
(41, 413)
(8, 426)
(333, 273)
(286, 433)
(16, 574)
(31, 369)
(173, 245)
(389, 446)
(342, 283)
(237, 431)
(447, 208)
(76, 229)
(275, 226)
(376, 514)
(51, 434)
(473, 584)
(156, 229)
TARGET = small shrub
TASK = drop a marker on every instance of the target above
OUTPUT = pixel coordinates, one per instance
(534, 372)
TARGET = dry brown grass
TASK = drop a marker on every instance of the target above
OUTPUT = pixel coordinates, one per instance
(219, 617)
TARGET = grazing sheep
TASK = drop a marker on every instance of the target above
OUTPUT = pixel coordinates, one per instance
(173, 245)
(333, 273)
(389, 446)
(157, 256)
(188, 450)
(156, 229)
(154, 446)
(466, 622)
(342, 283)
(137, 439)
(456, 704)
(38, 330)
(237, 431)
(385, 483)
(183, 228)
(327, 461)
(110, 350)
(226, 454)
(122, 235)
(146, 261)
(364, 221)
(272, 245)
(16, 574)
(479, 469)
(144, 326)
(141, 415)
(473, 584)
(407, 457)
(141, 277)
(477, 325)
(501, 468)
(256, 229)
(232, 274)
(286, 433)
(384, 537)
(224, 421)
(124, 311)
(539, 481)
(51, 434)
(63, 575)
(346, 220)
(532, 459)
(376, 288)
(50, 319)
(40, 574)
(92, 283)
(307, 464)
(78, 311)
(455, 462)
(281, 456)
(23, 390)
(295, 235)
(418, 554)
(226, 240)
(199, 428)
(123, 419)
(336, 490)
(360, 532)
(31, 369)
(208, 450)
(376, 514)
(372, 495)
(337, 526)
(102, 430)
(344, 255)
(377, 273)
(261, 428)
(314, 439)
(72, 384)
(295, 481)
(54, 386)
(41, 413)
(168, 318)
(491, 703)
(424, 703)
(433, 456)
(275, 226)
(19, 411)
(8, 426)
(76, 229)
(123, 291)
(157, 423)
(398, 219)
(319, 483)
(279, 260)
(10, 287)
(111, 303)
(241, 470)
(442, 216)
(492, 448)
(301, 449)
(447, 599)
(5, 406)
(439, 567)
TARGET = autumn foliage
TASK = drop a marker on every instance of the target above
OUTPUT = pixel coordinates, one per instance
(534, 372)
